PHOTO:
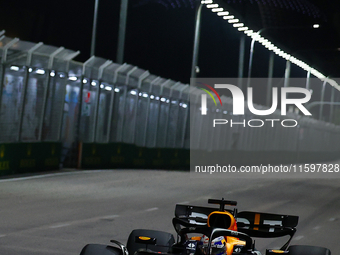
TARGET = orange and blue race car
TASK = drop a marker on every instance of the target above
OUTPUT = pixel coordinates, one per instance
(211, 231)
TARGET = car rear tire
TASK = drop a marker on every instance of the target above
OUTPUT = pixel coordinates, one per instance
(100, 249)
(164, 241)
(308, 250)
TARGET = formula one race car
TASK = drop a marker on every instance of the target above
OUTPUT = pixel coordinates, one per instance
(211, 231)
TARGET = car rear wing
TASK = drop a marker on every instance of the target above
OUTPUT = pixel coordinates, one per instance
(267, 225)
(257, 224)
(253, 224)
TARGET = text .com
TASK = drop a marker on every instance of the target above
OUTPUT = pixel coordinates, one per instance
(262, 169)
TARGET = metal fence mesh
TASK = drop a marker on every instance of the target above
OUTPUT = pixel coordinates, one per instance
(45, 96)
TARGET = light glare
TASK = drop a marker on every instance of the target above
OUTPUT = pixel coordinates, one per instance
(242, 28)
(217, 10)
(233, 20)
(72, 78)
(40, 71)
(222, 13)
(238, 25)
(228, 17)
(212, 6)
(15, 68)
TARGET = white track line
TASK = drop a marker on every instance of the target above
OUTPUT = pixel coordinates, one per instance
(49, 175)
(109, 217)
(151, 209)
(298, 238)
(60, 225)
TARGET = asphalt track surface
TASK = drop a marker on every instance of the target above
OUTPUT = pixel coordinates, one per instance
(59, 213)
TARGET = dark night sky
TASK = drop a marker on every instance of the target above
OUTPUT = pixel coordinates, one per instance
(158, 39)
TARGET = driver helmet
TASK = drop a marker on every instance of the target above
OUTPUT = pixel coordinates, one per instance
(218, 245)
